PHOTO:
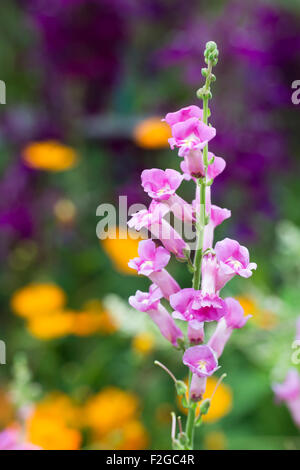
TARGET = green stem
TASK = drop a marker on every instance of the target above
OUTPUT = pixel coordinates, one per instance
(189, 430)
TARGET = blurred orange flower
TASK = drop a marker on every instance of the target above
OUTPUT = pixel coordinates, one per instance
(143, 343)
(38, 299)
(54, 325)
(52, 425)
(49, 155)
(260, 317)
(121, 248)
(152, 133)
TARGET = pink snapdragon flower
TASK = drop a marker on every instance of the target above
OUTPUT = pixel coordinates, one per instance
(161, 185)
(217, 216)
(149, 302)
(183, 115)
(153, 220)
(233, 259)
(202, 362)
(233, 319)
(151, 262)
(289, 392)
(191, 134)
(11, 439)
(193, 166)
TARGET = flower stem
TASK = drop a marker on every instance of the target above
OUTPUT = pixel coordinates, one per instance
(189, 430)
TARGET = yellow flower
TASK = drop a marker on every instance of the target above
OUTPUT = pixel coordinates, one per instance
(143, 343)
(260, 317)
(121, 249)
(53, 423)
(221, 403)
(88, 323)
(215, 440)
(37, 299)
(152, 133)
(109, 410)
(54, 325)
(49, 155)
(133, 436)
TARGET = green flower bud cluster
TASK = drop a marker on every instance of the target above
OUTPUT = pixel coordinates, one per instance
(211, 53)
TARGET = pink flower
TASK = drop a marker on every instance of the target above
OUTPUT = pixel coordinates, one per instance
(197, 388)
(152, 219)
(233, 319)
(193, 165)
(11, 439)
(183, 114)
(190, 135)
(196, 307)
(150, 303)
(289, 392)
(217, 216)
(233, 259)
(151, 261)
(161, 185)
(201, 360)
(196, 332)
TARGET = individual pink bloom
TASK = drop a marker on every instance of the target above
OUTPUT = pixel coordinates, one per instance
(233, 259)
(145, 218)
(153, 220)
(233, 319)
(191, 305)
(193, 165)
(197, 388)
(11, 439)
(201, 360)
(190, 135)
(161, 185)
(183, 114)
(149, 303)
(217, 216)
(152, 259)
(289, 392)
(195, 332)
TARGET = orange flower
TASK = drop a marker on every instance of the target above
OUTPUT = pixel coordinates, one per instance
(152, 133)
(53, 422)
(54, 325)
(133, 436)
(37, 299)
(260, 317)
(143, 343)
(109, 410)
(221, 403)
(49, 155)
(121, 248)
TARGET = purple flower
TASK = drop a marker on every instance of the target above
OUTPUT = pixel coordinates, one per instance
(152, 259)
(289, 392)
(149, 302)
(195, 332)
(233, 259)
(197, 387)
(193, 165)
(190, 135)
(217, 216)
(233, 319)
(201, 360)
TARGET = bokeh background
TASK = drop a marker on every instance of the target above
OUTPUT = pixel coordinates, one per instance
(88, 82)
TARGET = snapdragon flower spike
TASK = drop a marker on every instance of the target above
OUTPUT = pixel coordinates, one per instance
(202, 362)
(161, 185)
(233, 319)
(152, 219)
(183, 114)
(289, 392)
(191, 134)
(193, 166)
(149, 302)
(217, 216)
(233, 259)
(151, 262)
